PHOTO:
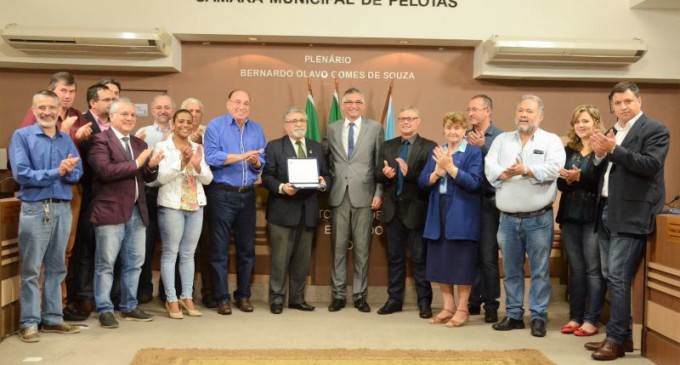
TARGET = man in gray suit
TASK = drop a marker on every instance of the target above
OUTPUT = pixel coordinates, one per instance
(353, 147)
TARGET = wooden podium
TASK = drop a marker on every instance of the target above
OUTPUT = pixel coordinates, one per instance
(661, 335)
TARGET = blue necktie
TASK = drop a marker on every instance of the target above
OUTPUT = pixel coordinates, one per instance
(403, 153)
(350, 141)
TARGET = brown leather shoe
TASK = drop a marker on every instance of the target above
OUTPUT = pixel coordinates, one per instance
(593, 346)
(224, 307)
(85, 306)
(609, 351)
(244, 305)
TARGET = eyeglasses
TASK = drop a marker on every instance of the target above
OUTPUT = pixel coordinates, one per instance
(474, 110)
(239, 103)
(295, 121)
(349, 102)
(408, 119)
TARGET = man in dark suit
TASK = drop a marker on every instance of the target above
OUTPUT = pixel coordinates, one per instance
(404, 210)
(292, 213)
(81, 268)
(353, 148)
(121, 164)
(630, 160)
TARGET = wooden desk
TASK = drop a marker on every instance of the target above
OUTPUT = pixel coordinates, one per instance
(661, 334)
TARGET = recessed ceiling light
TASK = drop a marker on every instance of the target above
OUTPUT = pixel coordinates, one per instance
(252, 38)
(403, 42)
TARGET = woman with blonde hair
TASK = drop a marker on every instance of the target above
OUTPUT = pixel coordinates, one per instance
(453, 175)
(576, 216)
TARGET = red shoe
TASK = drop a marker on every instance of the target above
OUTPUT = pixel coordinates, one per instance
(583, 333)
(566, 329)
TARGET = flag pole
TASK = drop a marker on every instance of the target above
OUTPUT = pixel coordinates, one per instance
(387, 102)
(309, 86)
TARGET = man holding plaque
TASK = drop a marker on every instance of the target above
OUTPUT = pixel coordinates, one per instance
(292, 213)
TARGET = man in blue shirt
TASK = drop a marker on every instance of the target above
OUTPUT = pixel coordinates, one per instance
(234, 149)
(45, 163)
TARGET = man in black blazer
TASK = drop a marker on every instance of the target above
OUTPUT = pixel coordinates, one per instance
(292, 213)
(81, 268)
(630, 162)
(404, 210)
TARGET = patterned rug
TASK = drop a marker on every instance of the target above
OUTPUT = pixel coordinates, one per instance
(337, 357)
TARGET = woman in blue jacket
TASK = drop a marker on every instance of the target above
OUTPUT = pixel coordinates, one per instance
(453, 175)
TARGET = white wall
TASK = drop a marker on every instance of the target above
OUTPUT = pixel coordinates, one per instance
(469, 22)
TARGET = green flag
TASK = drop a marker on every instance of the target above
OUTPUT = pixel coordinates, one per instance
(312, 120)
(335, 109)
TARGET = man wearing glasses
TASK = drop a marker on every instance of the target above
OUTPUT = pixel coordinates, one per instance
(353, 147)
(404, 211)
(234, 149)
(487, 287)
(523, 166)
(292, 213)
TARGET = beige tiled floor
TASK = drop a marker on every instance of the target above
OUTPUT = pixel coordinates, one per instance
(295, 329)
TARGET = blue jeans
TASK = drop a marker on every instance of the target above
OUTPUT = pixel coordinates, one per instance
(487, 286)
(180, 230)
(42, 242)
(534, 237)
(620, 255)
(232, 211)
(586, 284)
(127, 240)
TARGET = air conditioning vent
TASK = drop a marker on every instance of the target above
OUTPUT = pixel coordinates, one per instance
(86, 41)
(514, 50)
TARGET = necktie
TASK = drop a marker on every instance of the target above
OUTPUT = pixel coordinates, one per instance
(403, 153)
(127, 147)
(300, 151)
(350, 141)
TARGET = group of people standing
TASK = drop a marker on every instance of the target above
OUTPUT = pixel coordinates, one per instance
(452, 204)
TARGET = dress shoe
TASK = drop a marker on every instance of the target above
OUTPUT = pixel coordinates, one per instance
(390, 307)
(442, 317)
(173, 310)
(72, 314)
(583, 333)
(491, 316)
(609, 351)
(425, 311)
(474, 309)
(508, 324)
(244, 305)
(567, 329)
(144, 297)
(187, 305)
(224, 307)
(301, 306)
(276, 308)
(209, 302)
(458, 322)
(362, 306)
(593, 346)
(85, 306)
(336, 305)
(538, 328)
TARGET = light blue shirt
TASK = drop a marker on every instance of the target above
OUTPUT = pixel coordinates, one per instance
(461, 148)
(222, 138)
(35, 160)
(543, 154)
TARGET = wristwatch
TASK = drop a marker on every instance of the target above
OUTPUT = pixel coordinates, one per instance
(525, 173)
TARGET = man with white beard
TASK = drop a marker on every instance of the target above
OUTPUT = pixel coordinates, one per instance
(45, 163)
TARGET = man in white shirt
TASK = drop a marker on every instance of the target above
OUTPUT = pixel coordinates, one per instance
(523, 166)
